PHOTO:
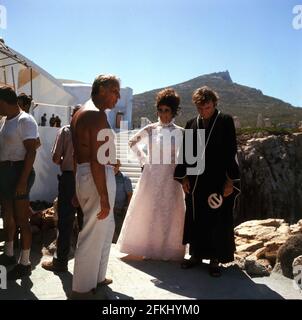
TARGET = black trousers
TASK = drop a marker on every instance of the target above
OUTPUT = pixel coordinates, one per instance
(66, 214)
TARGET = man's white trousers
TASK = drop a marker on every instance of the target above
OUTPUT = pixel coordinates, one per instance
(94, 241)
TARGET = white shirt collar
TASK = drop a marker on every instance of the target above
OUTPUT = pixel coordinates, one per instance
(165, 125)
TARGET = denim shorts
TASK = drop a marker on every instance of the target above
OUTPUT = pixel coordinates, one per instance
(10, 172)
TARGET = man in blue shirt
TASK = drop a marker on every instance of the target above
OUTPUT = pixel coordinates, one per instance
(122, 199)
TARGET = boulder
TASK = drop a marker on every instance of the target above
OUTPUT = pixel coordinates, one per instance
(265, 263)
(290, 250)
(240, 241)
(297, 261)
(295, 228)
(239, 261)
(277, 268)
(257, 232)
(254, 268)
(266, 222)
(258, 254)
(283, 229)
(271, 256)
(251, 246)
(297, 271)
(272, 248)
(242, 254)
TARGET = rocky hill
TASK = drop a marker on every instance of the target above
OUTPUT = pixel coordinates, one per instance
(235, 99)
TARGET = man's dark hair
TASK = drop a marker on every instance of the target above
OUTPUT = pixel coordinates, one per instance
(8, 95)
(204, 95)
(25, 99)
(104, 80)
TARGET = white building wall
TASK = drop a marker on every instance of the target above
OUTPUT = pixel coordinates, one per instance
(82, 92)
(46, 182)
(124, 105)
(63, 112)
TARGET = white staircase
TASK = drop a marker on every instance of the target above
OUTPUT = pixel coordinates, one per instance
(129, 164)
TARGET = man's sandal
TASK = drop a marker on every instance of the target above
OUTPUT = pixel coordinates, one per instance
(214, 271)
(105, 282)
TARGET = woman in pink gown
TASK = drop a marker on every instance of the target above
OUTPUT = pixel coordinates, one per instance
(153, 226)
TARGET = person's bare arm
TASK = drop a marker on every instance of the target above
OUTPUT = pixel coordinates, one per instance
(185, 185)
(57, 150)
(228, 187)
(99, 122)
(30, 146)
(56, 159)
(38, 145)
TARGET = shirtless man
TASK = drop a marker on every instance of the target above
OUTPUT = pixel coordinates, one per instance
(95, 187)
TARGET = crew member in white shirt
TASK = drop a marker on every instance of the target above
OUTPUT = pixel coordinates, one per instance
(18, 144)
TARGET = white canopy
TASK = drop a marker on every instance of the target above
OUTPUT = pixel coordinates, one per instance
(25, 76)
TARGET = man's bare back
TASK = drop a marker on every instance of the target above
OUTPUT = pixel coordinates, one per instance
(85, 125)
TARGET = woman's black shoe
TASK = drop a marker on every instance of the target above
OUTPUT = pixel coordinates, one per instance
(189, 263)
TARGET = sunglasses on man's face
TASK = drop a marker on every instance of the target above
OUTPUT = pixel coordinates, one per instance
(163, 110)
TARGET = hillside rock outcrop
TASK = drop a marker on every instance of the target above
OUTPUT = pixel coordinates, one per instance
(271, 178)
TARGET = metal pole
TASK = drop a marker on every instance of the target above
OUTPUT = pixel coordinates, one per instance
(10, 64)
(31, 83)
(13, 77)
(4, 73)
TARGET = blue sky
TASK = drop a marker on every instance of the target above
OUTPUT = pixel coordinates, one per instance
(156, 43)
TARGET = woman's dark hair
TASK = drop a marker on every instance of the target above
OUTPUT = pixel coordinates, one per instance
(170, 98)
(8, 95)
(204, 95)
